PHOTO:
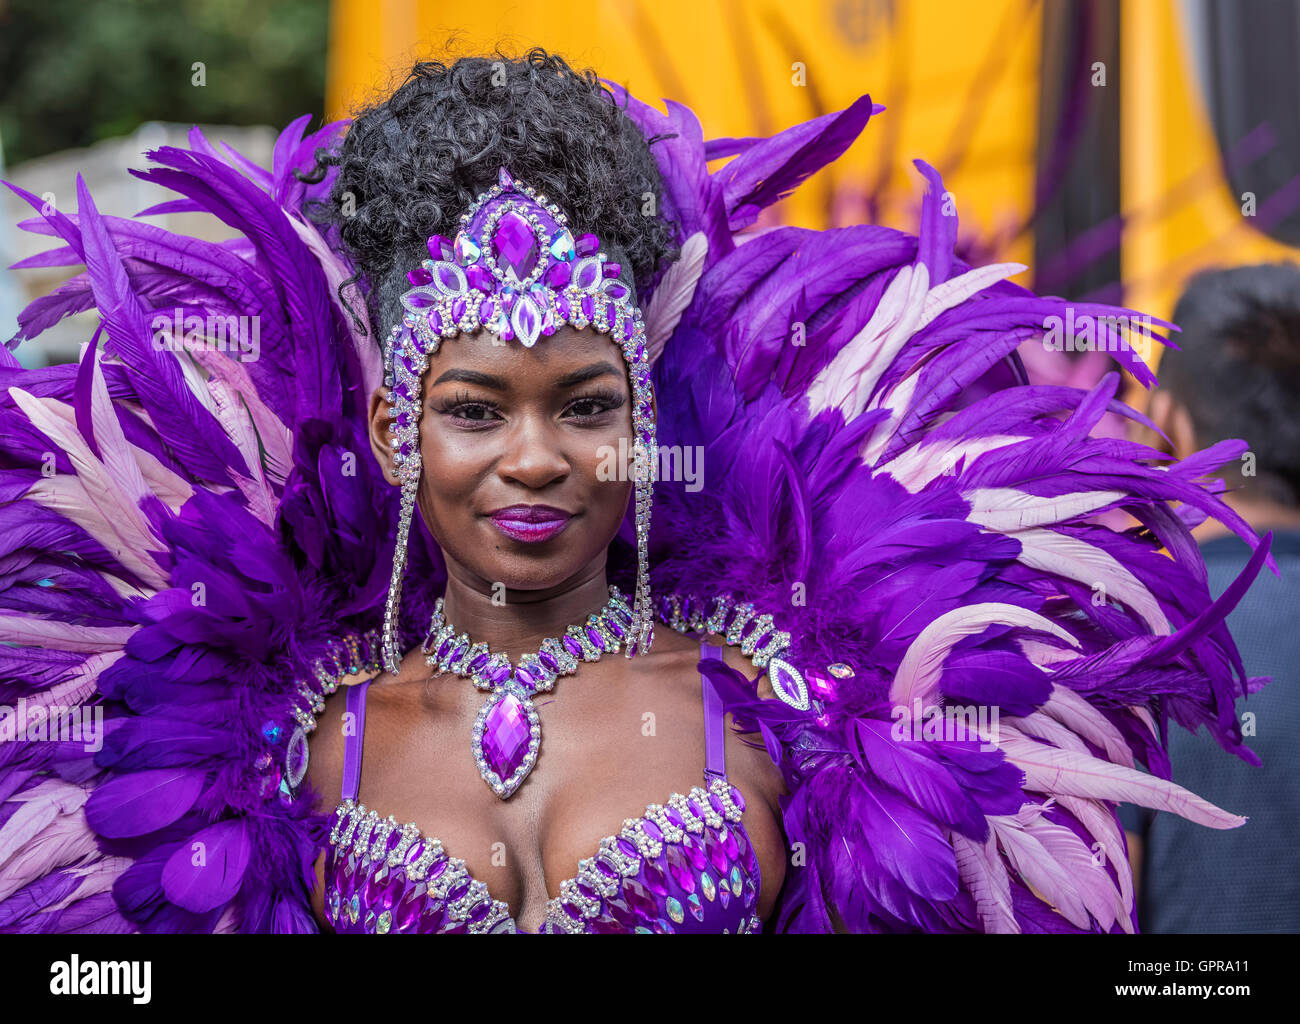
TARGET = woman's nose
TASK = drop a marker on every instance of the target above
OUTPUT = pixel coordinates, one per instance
(532, 456)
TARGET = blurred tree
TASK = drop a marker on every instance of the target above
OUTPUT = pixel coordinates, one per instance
(72, 73)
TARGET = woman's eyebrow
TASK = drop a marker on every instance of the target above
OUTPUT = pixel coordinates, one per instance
(486, 380)
(588, 373)
(489, 380)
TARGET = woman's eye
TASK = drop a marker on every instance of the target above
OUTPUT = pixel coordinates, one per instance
(593, 406)
(585, 407)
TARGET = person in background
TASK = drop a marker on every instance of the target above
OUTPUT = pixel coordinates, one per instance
(1237, 375)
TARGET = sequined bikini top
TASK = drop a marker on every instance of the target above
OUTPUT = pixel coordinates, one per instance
(684, 866)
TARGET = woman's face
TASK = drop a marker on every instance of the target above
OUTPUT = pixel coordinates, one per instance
(506, 427)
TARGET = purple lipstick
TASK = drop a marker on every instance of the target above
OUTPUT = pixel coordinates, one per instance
(530, 524)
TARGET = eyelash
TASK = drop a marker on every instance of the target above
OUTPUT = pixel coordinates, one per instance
(610, 399)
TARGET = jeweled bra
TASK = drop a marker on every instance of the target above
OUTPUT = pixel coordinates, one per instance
(684, 866)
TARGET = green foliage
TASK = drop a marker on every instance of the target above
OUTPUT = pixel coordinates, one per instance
(73, 72)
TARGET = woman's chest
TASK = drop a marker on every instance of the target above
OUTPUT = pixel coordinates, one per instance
(684, 865)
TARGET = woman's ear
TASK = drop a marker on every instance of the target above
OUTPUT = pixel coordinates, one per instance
(380, 438)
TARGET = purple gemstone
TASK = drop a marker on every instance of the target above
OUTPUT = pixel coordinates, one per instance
(447, 277)
(505, 736)
(587, 275)
(717, 855)
(588, 307)
(736, 798)
(420, 300)
(562, 307)
(680, 869)
(639, 354)
(403, 419)
(820, 683)
(615, 628)
(479, 661)
(695, 851)
(783, 682)
(558, 274)
(652, 830)
(605, 868)
(458, 308)
(628, 326)
(572, 646)
(413, 854)
(526, 678)
(409, 908)
(459, 890)
(459, 652)
(762, 640)
(742, 843)
(675, 816)
(514, 245)
(440, 247)
(527, 319)
(571, 910)
(622, 914)
(613, 269)
(479, 277)
(596, 639)
(419, 276)
(443, 648)
(374, 887)
(431, 922)
(548, 659)
(390, 893)
(617, 290)
(716, 803)
(480, 911)
(655, 879)
(587, 245)
(498, 673)
(586, 890)
(729, 843)
(638, 898)
(629, 848)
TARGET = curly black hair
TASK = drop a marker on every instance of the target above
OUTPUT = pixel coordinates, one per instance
(411, 164)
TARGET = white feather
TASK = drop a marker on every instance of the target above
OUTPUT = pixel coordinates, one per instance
(674, 294)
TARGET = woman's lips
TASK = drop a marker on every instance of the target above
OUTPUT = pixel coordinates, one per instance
(530, 524)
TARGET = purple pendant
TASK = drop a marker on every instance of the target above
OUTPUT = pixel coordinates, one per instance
(505, 746)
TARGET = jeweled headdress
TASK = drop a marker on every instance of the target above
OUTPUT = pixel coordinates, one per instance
(514, 269)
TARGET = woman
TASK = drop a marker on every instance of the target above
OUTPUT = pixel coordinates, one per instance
(941, 669)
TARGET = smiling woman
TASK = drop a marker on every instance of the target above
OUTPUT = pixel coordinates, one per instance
(464, 624)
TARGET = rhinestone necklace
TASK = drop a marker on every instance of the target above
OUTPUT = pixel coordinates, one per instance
(507, 732)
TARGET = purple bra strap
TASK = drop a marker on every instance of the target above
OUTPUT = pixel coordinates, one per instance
(715, 745)
(352, 743)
